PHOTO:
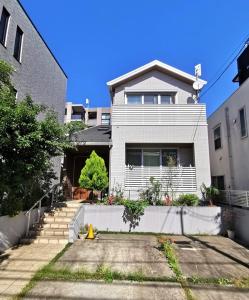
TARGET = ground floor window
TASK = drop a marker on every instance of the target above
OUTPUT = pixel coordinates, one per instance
(151, 157)
(218, 182)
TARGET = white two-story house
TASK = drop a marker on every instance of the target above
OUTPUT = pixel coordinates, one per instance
(154, 117)
(156, 130)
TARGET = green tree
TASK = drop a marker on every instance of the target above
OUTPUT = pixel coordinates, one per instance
(94, 174)
(27, 144)
(75, 126)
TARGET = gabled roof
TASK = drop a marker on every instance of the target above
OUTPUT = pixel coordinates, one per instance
(155, 64)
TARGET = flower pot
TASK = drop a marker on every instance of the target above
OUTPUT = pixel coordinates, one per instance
(231, 234)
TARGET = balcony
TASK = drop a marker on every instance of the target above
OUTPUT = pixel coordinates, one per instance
(174, 114)
(77, 117)
(183, 179)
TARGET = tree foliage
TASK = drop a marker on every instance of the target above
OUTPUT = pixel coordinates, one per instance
(30, 135)
(75, 126)
(94, 174)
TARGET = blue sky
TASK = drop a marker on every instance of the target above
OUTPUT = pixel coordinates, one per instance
(98, 40)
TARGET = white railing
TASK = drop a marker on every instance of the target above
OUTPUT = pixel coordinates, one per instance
(182, 179)
(38, 204)
(234, 197)
(175, 114)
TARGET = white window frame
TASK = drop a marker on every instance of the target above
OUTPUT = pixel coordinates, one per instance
(218, 125)
(158, 94)
(7, 29)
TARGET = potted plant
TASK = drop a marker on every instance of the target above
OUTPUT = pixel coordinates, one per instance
(209, 193)
(83, 232)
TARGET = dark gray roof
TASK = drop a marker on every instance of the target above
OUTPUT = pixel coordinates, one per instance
(97, 134)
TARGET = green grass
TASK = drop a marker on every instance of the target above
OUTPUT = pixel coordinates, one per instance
(174, 265)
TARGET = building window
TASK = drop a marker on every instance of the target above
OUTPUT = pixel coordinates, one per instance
(18, 44)
(92, 115)
(169, 157)
(4, 24)
(151, 158)
(217, 137)
(134, 157)
(243, 124)
(150, 99)
(167, 99)
(134, 99)
(105, 118)
(218, 182)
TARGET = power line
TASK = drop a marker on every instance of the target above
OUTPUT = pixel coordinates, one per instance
(241, 47)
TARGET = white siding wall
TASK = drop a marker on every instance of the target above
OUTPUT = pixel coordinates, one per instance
(163, 124)
(155, 81)
(239, 146)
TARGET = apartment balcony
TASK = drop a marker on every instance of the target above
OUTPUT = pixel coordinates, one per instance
(77, 117)
(181, 179)
(173, 114)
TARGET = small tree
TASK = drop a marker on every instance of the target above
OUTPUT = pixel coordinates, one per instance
(94, 174)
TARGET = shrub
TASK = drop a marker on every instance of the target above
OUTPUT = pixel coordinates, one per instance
(187, 200)
(94, 174)
(152, 193)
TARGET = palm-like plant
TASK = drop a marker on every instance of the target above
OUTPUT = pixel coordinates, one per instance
(209, 193)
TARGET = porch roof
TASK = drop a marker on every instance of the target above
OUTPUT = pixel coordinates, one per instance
(97, 135)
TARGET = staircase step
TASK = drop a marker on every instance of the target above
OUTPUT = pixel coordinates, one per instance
(56, 219)
(60, 214)
(45, 240)
(73, 204)
(49, 232)
(54, 225)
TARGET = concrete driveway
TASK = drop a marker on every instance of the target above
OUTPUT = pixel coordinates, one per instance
(203, 256)
(125, 253)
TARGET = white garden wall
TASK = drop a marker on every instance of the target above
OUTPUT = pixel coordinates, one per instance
(12, 229)
(157, 219)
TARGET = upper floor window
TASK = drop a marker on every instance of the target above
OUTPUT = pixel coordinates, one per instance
(217, 137)
(134, 99)
(105, 118)
(4, 24)
(243, 124)
(150, 98)
(18, 44)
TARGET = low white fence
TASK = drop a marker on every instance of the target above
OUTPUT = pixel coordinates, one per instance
(157, 219)
(234, 198)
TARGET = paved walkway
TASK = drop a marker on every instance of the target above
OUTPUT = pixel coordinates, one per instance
(18, 265)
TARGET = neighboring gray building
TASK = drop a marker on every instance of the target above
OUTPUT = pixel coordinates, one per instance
(228, 134)
(38, 73)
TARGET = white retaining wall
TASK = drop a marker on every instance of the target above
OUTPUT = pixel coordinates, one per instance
(12, 229)
(158, 219)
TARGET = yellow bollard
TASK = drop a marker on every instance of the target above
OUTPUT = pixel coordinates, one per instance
(90, 234)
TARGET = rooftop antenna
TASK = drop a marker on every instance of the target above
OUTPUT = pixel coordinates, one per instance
(87, 102)
(197, 85)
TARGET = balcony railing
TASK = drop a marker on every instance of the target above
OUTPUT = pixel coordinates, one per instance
(182, 179)
(77, 117)
(174, 114)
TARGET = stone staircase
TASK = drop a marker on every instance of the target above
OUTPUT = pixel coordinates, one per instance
(53, 227)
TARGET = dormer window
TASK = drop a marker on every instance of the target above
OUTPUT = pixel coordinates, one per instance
(150, 98)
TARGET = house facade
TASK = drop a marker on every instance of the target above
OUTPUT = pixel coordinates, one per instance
(158, 131)
(228, 134)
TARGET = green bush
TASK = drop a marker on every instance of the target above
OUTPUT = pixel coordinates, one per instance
(187, 200)
(94, 174)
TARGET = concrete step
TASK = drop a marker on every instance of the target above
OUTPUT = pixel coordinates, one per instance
(49, 232)
(55, 225)
(60, 214)
(73, 204)
(45, 240)
(51, 219)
